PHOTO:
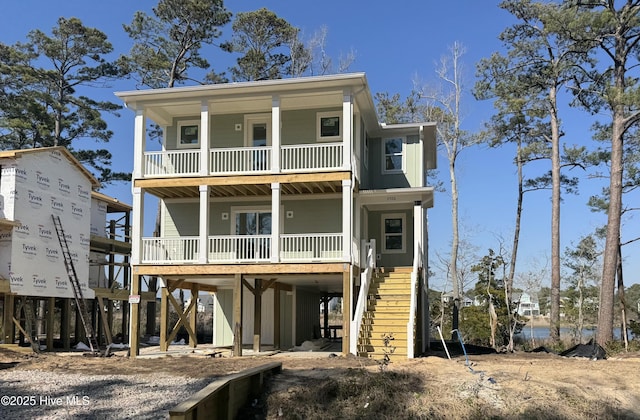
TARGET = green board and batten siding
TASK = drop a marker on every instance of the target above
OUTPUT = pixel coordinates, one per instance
(308, 216)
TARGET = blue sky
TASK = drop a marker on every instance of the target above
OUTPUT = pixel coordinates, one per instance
(393, 46)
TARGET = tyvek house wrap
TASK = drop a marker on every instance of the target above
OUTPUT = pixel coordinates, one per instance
(98, 261)
(34, 187)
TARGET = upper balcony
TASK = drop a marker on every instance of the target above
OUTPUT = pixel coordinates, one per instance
(300, 158)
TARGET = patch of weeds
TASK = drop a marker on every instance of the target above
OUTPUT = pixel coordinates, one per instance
(388, 350)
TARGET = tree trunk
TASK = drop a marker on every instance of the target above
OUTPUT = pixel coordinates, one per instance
(607, 288)
(623, 303)
(454, 249)
(554, 319)
(580, 308)
(514, 249)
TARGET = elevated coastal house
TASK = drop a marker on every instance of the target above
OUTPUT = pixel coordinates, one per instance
(277, 194)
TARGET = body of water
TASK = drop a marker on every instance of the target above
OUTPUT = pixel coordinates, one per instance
(543, 332)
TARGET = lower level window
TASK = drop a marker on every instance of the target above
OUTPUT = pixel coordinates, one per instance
(394, 228)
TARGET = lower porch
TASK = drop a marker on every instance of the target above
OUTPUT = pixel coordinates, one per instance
(257, 308)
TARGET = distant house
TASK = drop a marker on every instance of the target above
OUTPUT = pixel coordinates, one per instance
(527, 304)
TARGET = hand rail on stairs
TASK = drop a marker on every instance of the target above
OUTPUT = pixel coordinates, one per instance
(361, 305)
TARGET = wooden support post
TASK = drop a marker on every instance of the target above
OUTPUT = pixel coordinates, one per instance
(193, 316)
(65, 324)
(182, 320)
(346, 311)
(105, 321)
(257, 315)
(51, 308)
(325, 307)
(8, 330)
(164, 318)
(276, 316)
(134, 336)
(237, 315)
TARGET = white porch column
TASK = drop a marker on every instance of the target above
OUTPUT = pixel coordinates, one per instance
(275, 222)
(347, 130)
(275, 134)
(136, 225)
(418, 230)
(357, 229)
(204, 138)
(139, 143)
(347, 219)
(203, 256)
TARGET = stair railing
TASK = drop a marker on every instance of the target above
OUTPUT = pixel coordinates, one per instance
(417, 265)
(361, 305)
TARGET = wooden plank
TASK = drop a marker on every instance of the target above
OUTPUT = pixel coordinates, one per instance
(135, 318)
(105, 321)
(51, 304)
(182, 318)
(221, 269)
(237, 316)
(257, 315)
(164, 318)
(193, 315)
(242, 180)
(65, 324)
(5, 286)
(276, 315)
(222, 398)
(8, 331)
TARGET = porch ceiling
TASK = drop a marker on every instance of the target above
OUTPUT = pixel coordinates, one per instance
(248, 190)
(326, 283)
(245, 186)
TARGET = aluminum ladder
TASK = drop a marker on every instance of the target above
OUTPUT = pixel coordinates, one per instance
(77, 290)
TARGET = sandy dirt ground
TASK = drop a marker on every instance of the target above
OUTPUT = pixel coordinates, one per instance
(519, 385)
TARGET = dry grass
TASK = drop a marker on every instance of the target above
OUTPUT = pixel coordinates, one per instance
(510, 386)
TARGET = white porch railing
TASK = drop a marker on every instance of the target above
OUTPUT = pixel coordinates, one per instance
(361, 305)
(307, 157)
(170, 250)
(239, 248)
(244, 160)
(311, 247)
(228, 249)
(237, 160)
(172, 163)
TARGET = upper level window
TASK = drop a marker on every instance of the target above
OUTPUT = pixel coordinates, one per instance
(394, 230)
(329, 127)
(188, 134)
(393, 155)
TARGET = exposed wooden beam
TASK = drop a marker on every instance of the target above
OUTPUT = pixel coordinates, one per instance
(222, 269)
(242, 180)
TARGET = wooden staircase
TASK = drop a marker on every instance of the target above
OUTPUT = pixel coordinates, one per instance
(387, 313)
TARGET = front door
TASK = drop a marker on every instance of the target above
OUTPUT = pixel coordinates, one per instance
(256, 225)
(259, 138)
